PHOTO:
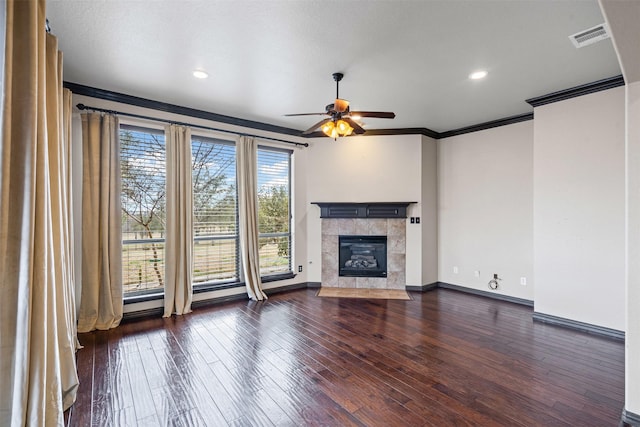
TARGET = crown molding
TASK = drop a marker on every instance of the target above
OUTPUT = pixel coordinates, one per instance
(403, 131)
(586, 89)
(376, 132)
(108, 95)
(487, 125)
(562, 95)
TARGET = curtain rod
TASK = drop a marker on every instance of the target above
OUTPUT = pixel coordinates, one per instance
(139, 116)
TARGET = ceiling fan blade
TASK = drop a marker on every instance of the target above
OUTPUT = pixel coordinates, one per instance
(340, 105)
(376, 114)
(357, 129)
(316, 126)
(305, 114)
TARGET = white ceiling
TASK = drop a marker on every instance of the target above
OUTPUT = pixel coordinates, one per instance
(267, 58)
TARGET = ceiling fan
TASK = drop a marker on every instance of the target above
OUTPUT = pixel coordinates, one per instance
(341, 121)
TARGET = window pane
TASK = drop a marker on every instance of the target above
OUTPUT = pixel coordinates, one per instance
(215, 250)
(274, 215)
(142, 267)
(142, 157)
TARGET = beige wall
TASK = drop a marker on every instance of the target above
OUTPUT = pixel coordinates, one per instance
(429, 211)
(3, 13)
(623, 18)
(542, 199)
(485, 200)
(632, 364)
(372, 169)
(579, 247)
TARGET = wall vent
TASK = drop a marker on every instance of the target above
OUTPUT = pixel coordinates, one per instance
(590, 36)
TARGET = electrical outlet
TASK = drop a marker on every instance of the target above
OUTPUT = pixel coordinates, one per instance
(523, 281)
(477, 273)
(299, 269)
(455, 270)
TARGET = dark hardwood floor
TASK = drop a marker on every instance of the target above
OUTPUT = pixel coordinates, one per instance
(443, 359)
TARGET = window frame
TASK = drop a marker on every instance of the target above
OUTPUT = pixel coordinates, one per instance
(237, 281)
(155, 292)
(290, 273)
(214, 285)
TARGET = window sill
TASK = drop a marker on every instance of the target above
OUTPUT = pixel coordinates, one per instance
(134, 299)
(276, 277)
(199, 289)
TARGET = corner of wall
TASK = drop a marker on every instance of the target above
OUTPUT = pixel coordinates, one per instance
(429, 210)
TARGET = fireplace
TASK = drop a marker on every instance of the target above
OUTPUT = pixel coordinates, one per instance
(362, 256)
(364, 220)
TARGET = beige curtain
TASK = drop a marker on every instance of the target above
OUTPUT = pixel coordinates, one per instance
(248, 215)
(179, 239)
(101, 295)
(37, 313)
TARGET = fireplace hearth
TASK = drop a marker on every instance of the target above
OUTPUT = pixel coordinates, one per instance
(362, 256)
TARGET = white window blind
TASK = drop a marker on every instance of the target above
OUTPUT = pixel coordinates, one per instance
(215, 211)
(274, 210)
(142, 157)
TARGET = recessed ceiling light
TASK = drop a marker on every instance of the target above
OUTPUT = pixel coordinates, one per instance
(476, 75)
(199, 74)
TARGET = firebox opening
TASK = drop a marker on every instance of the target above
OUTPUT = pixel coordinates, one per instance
(362, 256)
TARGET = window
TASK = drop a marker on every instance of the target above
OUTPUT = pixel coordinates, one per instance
(274, 210)
(215, 211)
(142, 157)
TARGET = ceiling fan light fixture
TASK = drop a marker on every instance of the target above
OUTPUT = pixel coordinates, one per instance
(329, 128)
(335, 129)
(344, 128)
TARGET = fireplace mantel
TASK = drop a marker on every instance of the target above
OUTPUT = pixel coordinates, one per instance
(363, 210)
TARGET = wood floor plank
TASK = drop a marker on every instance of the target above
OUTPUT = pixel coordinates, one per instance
(140, 389)
(80, 413)
(466, 385)
(103, 408)
(443, 358)
(403, 381)
(120, 379)
(360, 355)
(225, 404)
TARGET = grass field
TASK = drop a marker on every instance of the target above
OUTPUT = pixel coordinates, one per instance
(143, 264)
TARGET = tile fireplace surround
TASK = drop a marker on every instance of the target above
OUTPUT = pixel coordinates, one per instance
(393, 228)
